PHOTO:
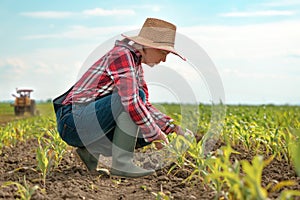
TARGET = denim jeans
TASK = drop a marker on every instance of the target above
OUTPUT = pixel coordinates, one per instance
(80, 125)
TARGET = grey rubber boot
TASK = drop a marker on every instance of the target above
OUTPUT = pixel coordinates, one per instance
(90, 161)
(124, 142)
(89, 155)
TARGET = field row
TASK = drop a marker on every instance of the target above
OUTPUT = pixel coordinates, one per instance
(233, 156)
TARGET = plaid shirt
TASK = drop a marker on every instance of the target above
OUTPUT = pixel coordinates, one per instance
(120, 69)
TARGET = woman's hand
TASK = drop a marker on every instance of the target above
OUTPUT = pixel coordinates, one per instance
(161, 138)
(179, 130)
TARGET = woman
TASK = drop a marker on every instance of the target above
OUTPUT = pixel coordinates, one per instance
(107, 110)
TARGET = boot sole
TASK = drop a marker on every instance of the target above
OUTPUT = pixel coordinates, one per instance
(117, 177)
(118, 174)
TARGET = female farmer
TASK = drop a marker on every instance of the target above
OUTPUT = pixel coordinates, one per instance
(107, 110)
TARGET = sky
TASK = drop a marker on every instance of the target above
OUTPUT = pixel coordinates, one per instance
(253, 45)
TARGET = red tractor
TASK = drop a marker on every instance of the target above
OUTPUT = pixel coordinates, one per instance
(23, 103)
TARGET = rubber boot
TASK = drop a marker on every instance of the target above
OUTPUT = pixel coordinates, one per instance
(124, 142)
(90, 161)
(89, 156)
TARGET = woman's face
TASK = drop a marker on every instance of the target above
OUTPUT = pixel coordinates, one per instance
(153, 56)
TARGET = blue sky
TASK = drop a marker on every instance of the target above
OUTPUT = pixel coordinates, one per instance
(255, 45)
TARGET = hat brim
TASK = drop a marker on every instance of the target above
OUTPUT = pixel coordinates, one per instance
(149, 43)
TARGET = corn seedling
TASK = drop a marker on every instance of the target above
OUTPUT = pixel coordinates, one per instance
(56, 144)
(45, 160)
(294, 146)
(252, 180)
(177, 149)
(161, 195)
(221, 173)
(289, 194)
(24, 191)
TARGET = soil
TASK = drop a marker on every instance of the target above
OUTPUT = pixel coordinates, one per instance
(5, 118)
(72, 181)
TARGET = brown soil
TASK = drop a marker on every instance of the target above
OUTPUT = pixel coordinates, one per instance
(72, 181)
(5, 118)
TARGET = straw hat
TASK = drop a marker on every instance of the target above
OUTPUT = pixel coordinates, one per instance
(158, 34)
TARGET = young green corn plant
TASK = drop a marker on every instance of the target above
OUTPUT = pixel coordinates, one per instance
(277, 144)
(45, 159)
(49, 153)
(56, 144)
(290, 139)
(8, 136)
(25, 191)
(3, 138)
(294, 148)
(252, 180)
(289, 194)
(225, 175)
(197, 161)
(161, 195)
(177, 149)
(24, 129)
(222, 173)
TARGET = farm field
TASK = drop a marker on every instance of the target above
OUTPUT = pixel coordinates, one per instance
(256, 156)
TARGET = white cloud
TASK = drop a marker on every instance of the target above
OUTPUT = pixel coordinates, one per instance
(155, 8)
(239, 73)
(265, 13)
(82, 32)
(48, 71)
(88, 12)
(281, 3)
(48, 14)
(246, 42)
(112, 12)
(278, 85)
(15, 64)
(152, 7)
(294, 53)
(257, 62)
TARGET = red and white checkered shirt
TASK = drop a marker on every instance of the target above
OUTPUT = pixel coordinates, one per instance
(120, 69)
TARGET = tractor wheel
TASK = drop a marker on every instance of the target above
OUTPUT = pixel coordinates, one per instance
(32, 107)
(19, 111)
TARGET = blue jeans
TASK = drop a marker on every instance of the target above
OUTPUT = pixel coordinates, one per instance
(80, 125)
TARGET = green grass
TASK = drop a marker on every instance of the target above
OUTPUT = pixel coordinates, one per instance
(6, 109)
(45, 108)
(7, 112)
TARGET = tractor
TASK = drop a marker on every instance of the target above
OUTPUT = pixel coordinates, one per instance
(23, 103)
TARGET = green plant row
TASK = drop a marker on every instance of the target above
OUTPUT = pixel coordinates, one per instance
(267, 132)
